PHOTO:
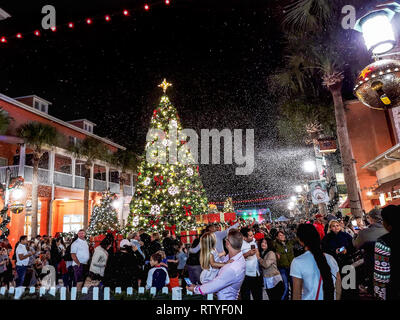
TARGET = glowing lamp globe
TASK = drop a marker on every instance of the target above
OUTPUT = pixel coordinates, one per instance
(377, 29)
(378, 85)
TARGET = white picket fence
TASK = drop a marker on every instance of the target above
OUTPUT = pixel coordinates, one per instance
(18, 291)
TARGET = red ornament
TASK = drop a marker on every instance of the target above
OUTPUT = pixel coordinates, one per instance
(139, 173)
(158, 179)
(155, 113)
(197, 168)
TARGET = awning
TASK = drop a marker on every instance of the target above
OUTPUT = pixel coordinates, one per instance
(345, 204)
(388, 186)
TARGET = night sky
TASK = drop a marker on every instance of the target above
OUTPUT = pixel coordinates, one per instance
(218, 55)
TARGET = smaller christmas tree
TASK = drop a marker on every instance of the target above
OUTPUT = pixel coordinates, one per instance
(104, 216)
(228, 205)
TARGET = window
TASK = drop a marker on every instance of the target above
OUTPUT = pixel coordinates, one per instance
(90, 128)
(72, 140)
(3, 162)
(86, 127)
(72, 222)
(37, 105)
(43, 107)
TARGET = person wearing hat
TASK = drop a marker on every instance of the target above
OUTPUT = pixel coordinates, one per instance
(366, 240)
(123, 269)
(319, 225)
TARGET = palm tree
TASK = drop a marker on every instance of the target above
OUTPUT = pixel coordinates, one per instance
(127, 160)
(305, 19)
(39, 137)
(89, 149)
(5, 120)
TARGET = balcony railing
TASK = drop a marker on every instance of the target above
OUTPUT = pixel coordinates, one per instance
(3, 172)
(99, 185)
(80, 182)
(128, 191)
(114, 187)
(62, 180)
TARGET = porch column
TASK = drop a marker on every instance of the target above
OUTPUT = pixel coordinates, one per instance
(107, 177)
(21, 160)
(119, 189)
(52, 159)
(91, 177)
(73, 164)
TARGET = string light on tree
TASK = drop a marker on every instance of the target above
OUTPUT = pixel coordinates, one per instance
(107, 18)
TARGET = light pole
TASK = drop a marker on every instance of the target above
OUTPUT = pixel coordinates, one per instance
(377, 85)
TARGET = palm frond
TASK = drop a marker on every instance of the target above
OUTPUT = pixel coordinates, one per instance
(307, 15)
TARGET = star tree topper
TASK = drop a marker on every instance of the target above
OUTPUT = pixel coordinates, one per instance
(164, 85)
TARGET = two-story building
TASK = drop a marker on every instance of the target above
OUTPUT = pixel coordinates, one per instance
(61, 175)
(375, 143)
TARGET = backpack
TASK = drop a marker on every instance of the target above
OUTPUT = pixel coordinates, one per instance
(159, 278)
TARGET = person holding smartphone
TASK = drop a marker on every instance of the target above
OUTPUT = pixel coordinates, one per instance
(339, 244)
(253, 280)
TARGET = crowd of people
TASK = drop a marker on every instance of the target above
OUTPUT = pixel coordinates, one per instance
(303, 260)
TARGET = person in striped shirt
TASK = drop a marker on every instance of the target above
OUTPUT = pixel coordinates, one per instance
(387, 256)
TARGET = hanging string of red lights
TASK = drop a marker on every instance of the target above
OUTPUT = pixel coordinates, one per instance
(88, 21)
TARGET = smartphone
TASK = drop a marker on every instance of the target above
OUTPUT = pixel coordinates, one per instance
(253, 246)
(342, 249)
(356, 228)
(188, 282)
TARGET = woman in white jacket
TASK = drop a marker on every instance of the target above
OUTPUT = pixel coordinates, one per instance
(98, 264)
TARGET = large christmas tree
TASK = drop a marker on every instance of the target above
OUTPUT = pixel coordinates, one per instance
(104, 217)
(169, 194)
